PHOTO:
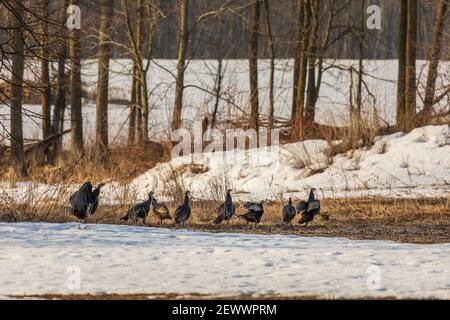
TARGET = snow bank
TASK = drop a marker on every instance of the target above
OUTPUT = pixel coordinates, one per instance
(416, 164)
(46, 258)
(398, 165)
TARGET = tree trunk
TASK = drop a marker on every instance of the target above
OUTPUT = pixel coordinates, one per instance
(272, 63)
(45, 73)
(427, 112)
(323, 48)
(401, 89)
(132, 118)
(361, 39)
(298, 127)
(297, 58)
(138, 58)
(411, 48)
(218, 88)
(17, 154)
(352, 112)
(145, 107)
(310, 109)
(151, 18)
(253, 64)
(139, 123)
(142, 72)
(76, 118)
(181, 66)
(104, 55)
(60, 105)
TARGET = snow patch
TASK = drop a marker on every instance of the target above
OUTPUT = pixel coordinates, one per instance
(415, 164)
(35, 257)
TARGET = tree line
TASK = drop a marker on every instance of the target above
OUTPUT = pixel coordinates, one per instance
(307, 31)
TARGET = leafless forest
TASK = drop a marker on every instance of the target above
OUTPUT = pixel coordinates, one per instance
(309, 32)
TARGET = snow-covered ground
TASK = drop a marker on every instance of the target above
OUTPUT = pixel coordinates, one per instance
(412, 165)
(416, 164)
(40, 258)
(199, 99)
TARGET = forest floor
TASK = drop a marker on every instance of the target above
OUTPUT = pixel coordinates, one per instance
(420, 221)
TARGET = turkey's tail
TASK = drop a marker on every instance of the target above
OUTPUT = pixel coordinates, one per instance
(218, 220)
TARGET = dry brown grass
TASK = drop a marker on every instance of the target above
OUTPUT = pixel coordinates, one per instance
(424, 220)
(122, 164)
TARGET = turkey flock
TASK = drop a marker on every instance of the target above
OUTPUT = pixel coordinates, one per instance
(84, 204)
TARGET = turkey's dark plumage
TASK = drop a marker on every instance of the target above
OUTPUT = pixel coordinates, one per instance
(289, 212)
(139, 211)
(254, 206)
(226, 210)
(309, 209)
(82, 202)
(254, 212)
(95, 194)
(302, 206)
(183, 212)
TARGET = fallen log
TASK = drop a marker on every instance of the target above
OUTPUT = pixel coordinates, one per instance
(40, 145)
(44, 144)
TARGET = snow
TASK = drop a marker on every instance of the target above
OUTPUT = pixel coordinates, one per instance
(413, 165)
(37, 258)
(416, 164)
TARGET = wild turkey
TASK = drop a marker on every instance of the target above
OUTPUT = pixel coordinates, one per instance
(160, 211)
(183, 212)
(95, 194)
(226, 210)
(254, 213)
(139, 211)
(82, 202)
(309, 209)
(289, 212)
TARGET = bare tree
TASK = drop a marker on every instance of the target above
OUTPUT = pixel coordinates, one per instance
(298, 131)
(76, 119)
(152, 15)
(361, 39)
(133, 100)
(181, 66)
(17, 154)
(137, 50)
(401, 89)
(310, 109)
(219, 75)
(45, 72)
(297, 58)
(141, 39)
(60, 104)
(253, 64)
(410, 78)
(104, 56)
(430, 90)
(271, 45)
(327, 39)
